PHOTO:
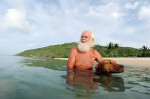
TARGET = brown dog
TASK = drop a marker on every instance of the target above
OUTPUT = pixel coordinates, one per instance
(108, 66)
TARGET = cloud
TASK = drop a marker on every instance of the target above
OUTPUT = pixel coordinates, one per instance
(61, 21)
(144, 18)
(144, 13)
(15, 20)
(131, 6)
(105, 11)
(117, 15)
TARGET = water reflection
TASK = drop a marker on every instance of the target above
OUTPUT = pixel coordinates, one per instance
(82, 83)
(83, 78)
(111, 83)
(85, 83)
(135, 81)
(50, 63)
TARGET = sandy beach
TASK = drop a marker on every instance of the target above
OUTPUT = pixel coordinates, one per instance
(128, 61)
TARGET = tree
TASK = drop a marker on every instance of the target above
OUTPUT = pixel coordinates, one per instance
(110, 48)
(144, 51)
(144, 48)
(116, 46)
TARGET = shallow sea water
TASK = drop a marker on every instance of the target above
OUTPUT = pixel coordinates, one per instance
(44, 78)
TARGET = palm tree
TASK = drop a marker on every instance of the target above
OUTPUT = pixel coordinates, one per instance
(116, 46)
(144, 50)
(110, 48)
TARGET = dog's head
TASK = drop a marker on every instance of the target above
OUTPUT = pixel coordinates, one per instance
(108, 66)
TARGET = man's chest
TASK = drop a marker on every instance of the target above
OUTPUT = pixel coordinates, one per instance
(85, 57)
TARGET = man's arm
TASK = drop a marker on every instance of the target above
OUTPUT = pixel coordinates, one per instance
(98, 58)
(70, 76)
(71, 59)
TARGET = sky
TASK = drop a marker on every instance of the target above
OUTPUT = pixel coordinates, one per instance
(30, 24)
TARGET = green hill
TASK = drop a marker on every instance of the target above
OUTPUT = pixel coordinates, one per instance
(52, 51)
(62, 51)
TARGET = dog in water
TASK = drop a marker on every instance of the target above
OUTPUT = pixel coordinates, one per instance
(108, 67)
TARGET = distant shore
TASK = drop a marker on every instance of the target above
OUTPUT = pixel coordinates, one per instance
(128, 61)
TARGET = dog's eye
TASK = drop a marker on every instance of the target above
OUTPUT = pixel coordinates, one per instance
(109, 62)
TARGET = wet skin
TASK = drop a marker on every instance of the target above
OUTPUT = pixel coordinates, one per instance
(83, 60)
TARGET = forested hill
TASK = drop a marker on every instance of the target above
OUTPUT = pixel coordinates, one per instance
(62, 51)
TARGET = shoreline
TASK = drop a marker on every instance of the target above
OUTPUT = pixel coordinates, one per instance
(128, 61)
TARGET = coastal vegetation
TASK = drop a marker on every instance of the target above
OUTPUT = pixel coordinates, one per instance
(63, 50)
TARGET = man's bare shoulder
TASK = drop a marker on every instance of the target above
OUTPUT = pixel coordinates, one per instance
(75, 49)
(97, 55)
(95, 51)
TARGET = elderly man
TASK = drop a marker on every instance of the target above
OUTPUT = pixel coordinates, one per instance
(83, 56)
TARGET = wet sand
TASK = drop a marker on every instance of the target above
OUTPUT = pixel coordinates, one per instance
(128, 61)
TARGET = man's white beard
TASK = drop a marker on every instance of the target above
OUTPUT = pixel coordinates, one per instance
(85, 47)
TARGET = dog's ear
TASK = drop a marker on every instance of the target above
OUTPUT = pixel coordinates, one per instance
(113, 62)
(100, 64)
(98, 67)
